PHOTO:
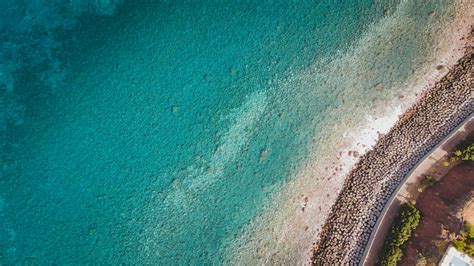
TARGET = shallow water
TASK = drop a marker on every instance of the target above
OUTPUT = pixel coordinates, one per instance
(154, 133)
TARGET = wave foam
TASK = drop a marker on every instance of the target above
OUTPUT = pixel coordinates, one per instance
(390, 65)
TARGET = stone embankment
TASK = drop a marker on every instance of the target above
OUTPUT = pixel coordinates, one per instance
(371, 183)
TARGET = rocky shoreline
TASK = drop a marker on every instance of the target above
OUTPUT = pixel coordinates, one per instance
(372, 181)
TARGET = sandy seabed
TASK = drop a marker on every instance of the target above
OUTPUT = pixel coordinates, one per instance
(290, 225)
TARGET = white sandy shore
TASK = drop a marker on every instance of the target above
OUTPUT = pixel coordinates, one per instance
(289, 227)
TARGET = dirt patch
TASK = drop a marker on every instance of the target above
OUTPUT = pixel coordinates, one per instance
(438, 205)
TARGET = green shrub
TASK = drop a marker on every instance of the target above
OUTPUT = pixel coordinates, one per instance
(394, 254)
(469, 249)
(465, 153)
(400, 232)
(459, 245)
(425, 182)
(469, 229)
(465, 242)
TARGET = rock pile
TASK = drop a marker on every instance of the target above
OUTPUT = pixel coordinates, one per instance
(371, 183)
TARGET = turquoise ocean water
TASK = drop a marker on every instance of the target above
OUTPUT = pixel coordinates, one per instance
(151, 132)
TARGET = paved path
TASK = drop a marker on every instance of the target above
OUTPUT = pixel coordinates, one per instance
(376, 177)
(407, 188)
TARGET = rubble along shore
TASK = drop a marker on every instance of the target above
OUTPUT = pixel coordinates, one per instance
(370, 184)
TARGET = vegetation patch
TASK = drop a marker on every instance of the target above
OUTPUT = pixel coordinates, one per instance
(464, 152)
(465, 240)
(426, 182)
(399, 234)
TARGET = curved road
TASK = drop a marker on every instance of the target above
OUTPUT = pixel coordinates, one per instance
(391, 209)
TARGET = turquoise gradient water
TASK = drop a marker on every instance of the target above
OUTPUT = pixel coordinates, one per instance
(151, 133)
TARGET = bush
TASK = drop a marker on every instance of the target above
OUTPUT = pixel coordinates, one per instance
(465, 242)
(469, 249)
(459, 245)
(400, 232)
(425, 182)
(428, 180)
(465, 154)
(469, 229)
(421, 260)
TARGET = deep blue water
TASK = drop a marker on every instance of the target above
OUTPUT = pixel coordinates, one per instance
(151, 133)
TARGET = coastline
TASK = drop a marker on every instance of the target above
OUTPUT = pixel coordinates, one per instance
(370, 184)
(401, 193)
(177, 166)
(287, 233)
